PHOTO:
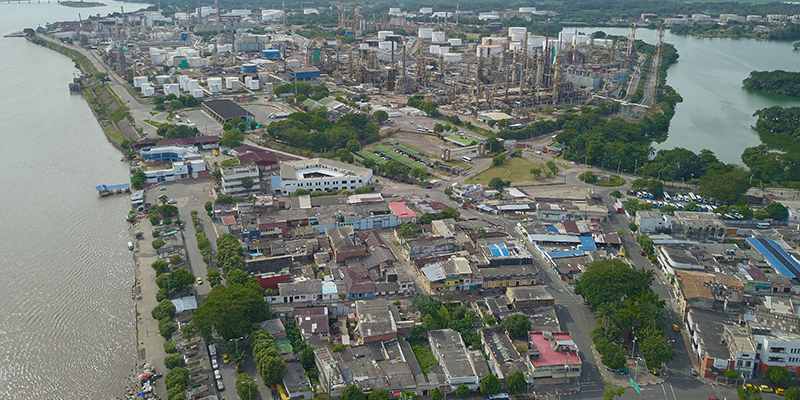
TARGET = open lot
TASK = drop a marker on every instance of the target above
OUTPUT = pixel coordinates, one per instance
(262, 111)
(429, 146)
(206, 125)
(515, 169)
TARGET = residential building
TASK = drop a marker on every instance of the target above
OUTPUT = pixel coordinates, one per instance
(553, 356)
(295, 384)
(501, 277)
(530, 297)
(777, 348)
(343, 245)
(322, 174)
(504, 359)
(456, 362)
(301, 291)
(403, 213)
(652, 222)
(235, 178)
(703, 291)
(312, 321)
(377, 365)
(274, 327)
(673, 258)
(374, 321)
(451, 274)
(254, 155)
(186, 163)
(702, 225)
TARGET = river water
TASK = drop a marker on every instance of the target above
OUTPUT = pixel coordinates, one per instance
(717, 112)
(67, 326)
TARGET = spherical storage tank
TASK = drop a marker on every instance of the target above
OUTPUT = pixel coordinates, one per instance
(437, 36)
(425, 33)
(249, 69)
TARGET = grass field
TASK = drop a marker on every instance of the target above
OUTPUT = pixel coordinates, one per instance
(399, 157)
(515, 169)
(424, 355)
(463, 139)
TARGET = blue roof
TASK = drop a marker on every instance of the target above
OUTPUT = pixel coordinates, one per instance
(565, 253)
(776, 257)
(275, 182)
(498, 250)
(587, 243)
(551, 229)
(113, 187)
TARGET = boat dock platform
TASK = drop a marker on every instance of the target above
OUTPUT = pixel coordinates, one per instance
(104, 190)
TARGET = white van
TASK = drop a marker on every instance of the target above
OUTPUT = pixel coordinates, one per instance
(467, 159)
(762, 225)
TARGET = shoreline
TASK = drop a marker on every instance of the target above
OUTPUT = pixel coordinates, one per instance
(106, 105)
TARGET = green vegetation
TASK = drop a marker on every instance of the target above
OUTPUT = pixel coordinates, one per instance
(515, 169)
(246, 386)
(172, 102)
(624, 303)
(315, 92)
(312, 130)
(430, 107)
(447, 213)
(517, 325)
(436, 315)
(735, 29)
(425, 358)
(591, 178)
(265, 354)
(777, 375)
(778, 159)
(490, 384)
(81, 4)
(778, 82)
(462, 391)
(516, 383)
(232, 311)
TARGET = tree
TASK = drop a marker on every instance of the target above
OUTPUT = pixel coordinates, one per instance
(493, 145)
(438, 128)
(498, 159)
(247, 182)
(490, 384)
(381, 115)
(777, 375)
(246, 386)
(271, 369)
(552, 166)
(748, 393)
(231, 311)
(178, 377)
(167, 210)
(407, 229)
(175, 280)
(632, 226)
(164, 309)
(173, 360)
(232, 138)
(655, 350)
(615, 194)
(726, 185)
(436, 394)
(777, 211)
(352, 392)
(611, 392)
(792, 393)
(419, 173)
(138, 179)
(731, 374)
(160, 266)
(166, 327)
(517, 325)
(383, 394)
(498, 183)
(611, 281)
(588, 177)
(536, 172)
(307, 358)
(516, 383)
(176, 260)
(462, 391)
(157, 244)
(646, 244)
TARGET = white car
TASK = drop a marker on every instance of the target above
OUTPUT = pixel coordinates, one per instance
(217, 375)
(220, 386)
(214, 363)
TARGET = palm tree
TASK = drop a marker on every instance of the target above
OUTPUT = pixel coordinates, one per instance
(216, 175)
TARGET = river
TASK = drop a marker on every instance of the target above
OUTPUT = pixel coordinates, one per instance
(717, 112)
(67, 327)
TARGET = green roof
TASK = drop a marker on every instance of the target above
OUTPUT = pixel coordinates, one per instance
(284, 345)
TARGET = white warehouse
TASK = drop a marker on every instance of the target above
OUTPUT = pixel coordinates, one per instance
(322, 174)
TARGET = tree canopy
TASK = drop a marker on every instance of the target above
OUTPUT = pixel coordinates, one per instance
(517, 325)
(611, 280)
(231, 311)
(312, 130)
(490, 384)
(777, 375)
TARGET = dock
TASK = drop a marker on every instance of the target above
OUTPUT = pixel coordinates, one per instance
(104, 190)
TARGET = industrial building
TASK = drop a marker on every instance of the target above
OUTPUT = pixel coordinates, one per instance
(226, 110)
(321, 174)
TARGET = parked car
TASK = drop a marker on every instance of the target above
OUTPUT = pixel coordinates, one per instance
(220, 386)
(764, 388)
(199, 281)
(780, 391)
(214, 363)
(225, 358)
(217, 375)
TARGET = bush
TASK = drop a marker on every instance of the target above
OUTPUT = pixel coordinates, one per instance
(174, 360)
(157, 244)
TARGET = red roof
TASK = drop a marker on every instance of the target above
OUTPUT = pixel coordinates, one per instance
(548, 356)
(228, 220)
(402, 211)
(259, 157)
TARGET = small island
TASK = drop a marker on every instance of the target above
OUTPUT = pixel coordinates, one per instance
(81, 4)
(777, 82)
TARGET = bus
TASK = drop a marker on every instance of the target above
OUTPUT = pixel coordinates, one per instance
(467, 159)
(762, 225)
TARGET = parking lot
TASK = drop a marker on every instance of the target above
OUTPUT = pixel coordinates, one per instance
(207, 125)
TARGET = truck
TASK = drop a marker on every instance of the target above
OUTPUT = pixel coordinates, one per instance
(277, 115)
(618, 206)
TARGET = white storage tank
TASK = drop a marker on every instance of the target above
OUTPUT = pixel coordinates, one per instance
(230, 81)
(138, 81)
(515, 46)
(214, 85)
(437, 36)
(516, 29)
(148, 91)
(518, 36)
(425, 33)
(253, 85)
(192, 85)
(197, 93)
(527, 10)
(383, 34)
(163, 79)
(268, 88)
(451, 57)
(387, 45)
(172, 88)
(455, 42)
(536, 41)
(183, 80)
(195, 62)
(192, 53)
(157, 56)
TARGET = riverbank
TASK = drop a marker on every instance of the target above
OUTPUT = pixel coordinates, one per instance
(81, 4)
(111, 112)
